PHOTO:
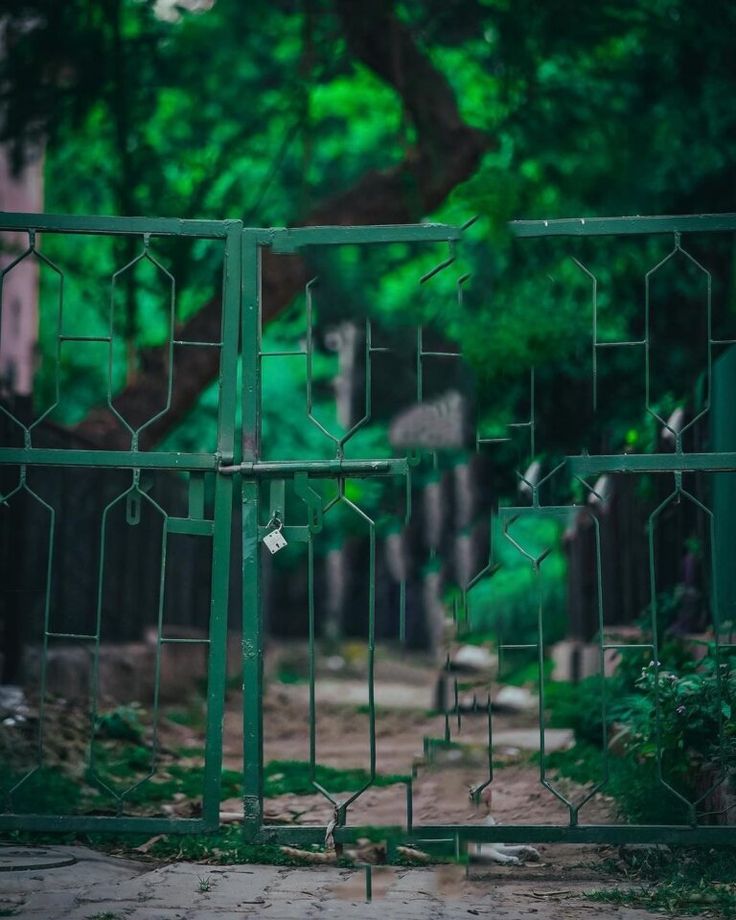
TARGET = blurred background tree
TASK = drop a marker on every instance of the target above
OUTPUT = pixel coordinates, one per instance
(285, 113)
(346, 112)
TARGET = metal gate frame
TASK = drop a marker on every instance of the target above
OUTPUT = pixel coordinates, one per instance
(242, 303)
(134, 460)
(254, 470)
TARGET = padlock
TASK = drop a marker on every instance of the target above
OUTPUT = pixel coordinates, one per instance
(274, 539)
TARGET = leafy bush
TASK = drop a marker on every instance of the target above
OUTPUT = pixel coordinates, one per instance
(671, 722)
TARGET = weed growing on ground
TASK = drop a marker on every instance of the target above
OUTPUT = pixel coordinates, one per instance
(683, 879)
(294, 776)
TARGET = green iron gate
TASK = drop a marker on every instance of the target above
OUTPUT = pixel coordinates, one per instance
(29, 458)
(239, 462)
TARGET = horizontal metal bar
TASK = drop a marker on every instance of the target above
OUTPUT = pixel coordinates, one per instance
(624, 226)
(121, 459)
(282, 354)
(441, 354)
(84, 338)
(507, 647)
(652, 463)
(197, 528)
(80, 636)
(513, 833)
(621, 646)
(283, 239)
(619, 344)
(105, 824)
(166, 640)
(156, 226)
(325, 469)
(197, 344)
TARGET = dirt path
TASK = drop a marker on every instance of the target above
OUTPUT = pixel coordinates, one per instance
(440, 788)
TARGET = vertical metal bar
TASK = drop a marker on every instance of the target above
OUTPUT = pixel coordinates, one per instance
(252, 613)
(217, 663)
(420, 363)
(159, 636)
(312, 664)
(46, 621)
(277, 499)
(372, 649)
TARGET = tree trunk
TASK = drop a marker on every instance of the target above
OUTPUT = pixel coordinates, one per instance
(447, 152)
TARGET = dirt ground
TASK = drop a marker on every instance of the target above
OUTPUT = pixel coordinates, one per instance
(404, 720)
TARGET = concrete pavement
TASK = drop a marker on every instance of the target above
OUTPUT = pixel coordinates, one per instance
(76, 883)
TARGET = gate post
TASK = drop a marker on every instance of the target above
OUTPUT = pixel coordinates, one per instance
(252, 640)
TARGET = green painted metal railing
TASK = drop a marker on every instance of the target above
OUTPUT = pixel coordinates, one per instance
(242, 465)
(29, 457)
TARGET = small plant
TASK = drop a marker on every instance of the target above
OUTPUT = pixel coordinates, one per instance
(204, 883)
(120, 724)
(673, 721)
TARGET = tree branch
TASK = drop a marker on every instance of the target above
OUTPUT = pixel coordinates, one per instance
(446, 153)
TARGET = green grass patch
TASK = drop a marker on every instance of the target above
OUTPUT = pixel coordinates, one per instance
(47, 792)
(293, 776)
(675, 879)
(226, 847)
(286, 675)
(121, 765)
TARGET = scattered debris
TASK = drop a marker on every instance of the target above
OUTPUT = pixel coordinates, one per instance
(149, 844)
(514, 699)
(413, 854)
(562, 893)
(474, 658)
(315, 857)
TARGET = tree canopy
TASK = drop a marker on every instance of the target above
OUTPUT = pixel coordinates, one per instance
(339, 111)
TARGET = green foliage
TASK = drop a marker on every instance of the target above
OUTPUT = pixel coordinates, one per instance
(505, 607)
(121, 724)
(49, 791)
(692, 721)
(122, 768)
(675, 879)
(612, 110)
(293, 777)
(675, 719)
